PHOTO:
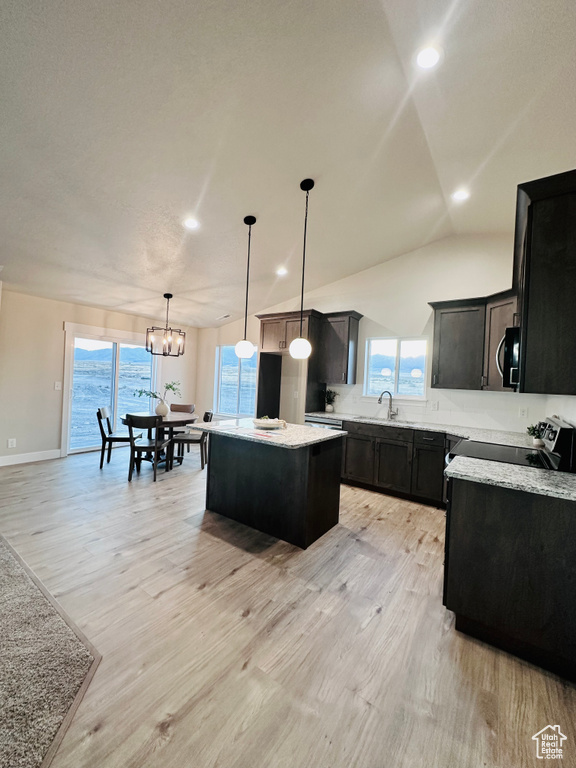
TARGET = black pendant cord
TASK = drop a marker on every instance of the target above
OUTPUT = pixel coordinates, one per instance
(303, 263)
(167, 308)
(247, 281)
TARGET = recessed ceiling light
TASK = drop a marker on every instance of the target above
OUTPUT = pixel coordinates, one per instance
(281, 271)
(191, 223)
(460, 195)
(428, 57)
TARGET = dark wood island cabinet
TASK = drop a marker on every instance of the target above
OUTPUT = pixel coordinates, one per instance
(285, 482)
(510, 571)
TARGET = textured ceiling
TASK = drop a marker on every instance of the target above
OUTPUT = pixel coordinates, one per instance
(121, 118)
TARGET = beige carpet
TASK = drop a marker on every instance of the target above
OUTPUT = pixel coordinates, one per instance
(45, 667)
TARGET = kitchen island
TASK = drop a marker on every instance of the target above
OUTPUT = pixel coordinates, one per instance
(283, 482)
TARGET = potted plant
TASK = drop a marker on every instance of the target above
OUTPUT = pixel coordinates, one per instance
(330, 397)
(536, 433)
(162, 407)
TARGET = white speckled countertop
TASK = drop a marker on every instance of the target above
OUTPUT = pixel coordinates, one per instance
(294, 436)
(499, 437)
(545, 482)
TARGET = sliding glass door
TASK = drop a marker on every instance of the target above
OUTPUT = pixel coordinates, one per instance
(105, 373)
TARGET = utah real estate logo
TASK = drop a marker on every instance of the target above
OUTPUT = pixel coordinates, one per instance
(549, 743)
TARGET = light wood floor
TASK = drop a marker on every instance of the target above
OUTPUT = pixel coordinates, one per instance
(224, 647)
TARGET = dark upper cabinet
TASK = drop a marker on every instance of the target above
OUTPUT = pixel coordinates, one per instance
(278, 330)
(545, 271)
(339, 347)
(500, 314)
(458, 355)
(467, 341)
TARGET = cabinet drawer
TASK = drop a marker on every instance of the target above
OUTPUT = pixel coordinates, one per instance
(424, 437)
(377, 430)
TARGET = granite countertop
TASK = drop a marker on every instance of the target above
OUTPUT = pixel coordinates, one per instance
(294, 436)
(546, 482)
(497, 436)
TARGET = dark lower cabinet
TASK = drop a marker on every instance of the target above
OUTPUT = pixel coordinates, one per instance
(359, 458)
(428, 471)
(510, 571)
(396, 459)
(393, 465)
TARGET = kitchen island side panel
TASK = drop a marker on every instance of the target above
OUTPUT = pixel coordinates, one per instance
(292, 494)
(511, 571)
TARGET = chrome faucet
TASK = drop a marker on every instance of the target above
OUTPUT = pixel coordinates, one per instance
(391, 413)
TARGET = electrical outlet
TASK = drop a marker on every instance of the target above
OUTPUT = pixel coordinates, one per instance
(523, 413)
(58, 386)
(295, 394)
(11, 442)
(434, 405)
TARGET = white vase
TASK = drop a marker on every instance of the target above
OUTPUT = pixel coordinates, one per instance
(537, 442)
(162, 408)
(329, 408)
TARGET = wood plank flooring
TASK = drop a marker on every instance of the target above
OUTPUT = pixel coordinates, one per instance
(224, 647)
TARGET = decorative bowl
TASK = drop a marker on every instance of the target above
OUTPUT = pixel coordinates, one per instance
(269, 423)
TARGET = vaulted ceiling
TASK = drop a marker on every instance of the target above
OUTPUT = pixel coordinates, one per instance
(121, 118)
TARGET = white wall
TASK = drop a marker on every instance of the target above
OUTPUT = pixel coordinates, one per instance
(393, 297)
(32, 359)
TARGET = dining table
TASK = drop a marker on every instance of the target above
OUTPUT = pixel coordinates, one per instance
(170, 421)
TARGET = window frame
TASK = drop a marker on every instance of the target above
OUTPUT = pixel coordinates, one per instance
(398, 340)
(218, 382)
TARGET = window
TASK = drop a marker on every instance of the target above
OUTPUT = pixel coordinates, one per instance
(236, 383)
(105, 373)
(398, 365)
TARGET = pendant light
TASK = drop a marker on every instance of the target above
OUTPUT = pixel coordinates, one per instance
(168, 342)
(245, 349)
(300, 348)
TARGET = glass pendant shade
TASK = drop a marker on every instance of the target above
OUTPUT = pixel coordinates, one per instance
(244, 349)
(300, 349)
(166, 341)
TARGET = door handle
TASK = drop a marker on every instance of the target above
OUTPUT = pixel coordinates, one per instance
(498, 353)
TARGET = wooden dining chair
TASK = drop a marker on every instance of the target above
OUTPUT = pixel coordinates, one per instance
(153, 445)
(182, 408)
(108, 436)
(194, 438)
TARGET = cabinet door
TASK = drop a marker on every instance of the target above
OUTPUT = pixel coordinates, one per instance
(428, 472)
(548, 362)
(458, 357)
(335, 351)
(272, 335)
(293, 330)
(393, 465)
(499, 316)
(359, 458)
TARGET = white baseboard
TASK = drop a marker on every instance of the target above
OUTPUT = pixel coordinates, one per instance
(26, 458)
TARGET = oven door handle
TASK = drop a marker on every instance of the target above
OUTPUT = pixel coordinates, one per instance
(498, 353)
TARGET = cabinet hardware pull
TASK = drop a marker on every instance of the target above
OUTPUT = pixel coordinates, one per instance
(427, 438)
(434, 379)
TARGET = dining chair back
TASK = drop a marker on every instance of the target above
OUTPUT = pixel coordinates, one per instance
(152, 446)
(182, 407)
(194, 438)
(108, 436)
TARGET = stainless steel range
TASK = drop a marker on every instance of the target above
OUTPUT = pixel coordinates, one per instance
(558, 452)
